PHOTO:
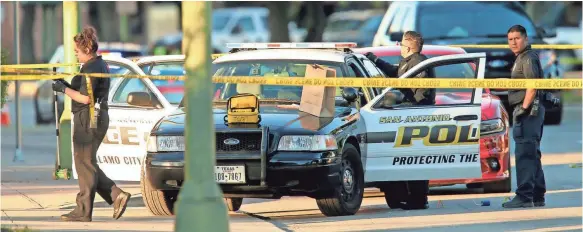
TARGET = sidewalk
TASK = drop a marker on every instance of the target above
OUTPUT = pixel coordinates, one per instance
(31, 198)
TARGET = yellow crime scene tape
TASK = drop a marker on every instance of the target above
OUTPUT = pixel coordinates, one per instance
(442, 82)
(533, 46)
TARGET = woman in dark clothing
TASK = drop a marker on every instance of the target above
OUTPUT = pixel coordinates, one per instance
(86, 139)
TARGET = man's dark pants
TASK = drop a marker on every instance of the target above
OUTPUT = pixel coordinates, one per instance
(91, 177)
(527, 132)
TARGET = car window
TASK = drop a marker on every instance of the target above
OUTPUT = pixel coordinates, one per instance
(246, 24)
(172, 90)
(267, 68)
(128, 86)
(220, 21)
(461, 70)
(116, 68)
(470, 20)
(344, 25)
(372, 69)
(372, 24)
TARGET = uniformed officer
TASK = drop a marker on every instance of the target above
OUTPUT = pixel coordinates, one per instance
(411, 46)
(528, 120)
(86, 140)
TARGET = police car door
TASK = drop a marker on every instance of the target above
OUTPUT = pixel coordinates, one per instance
(427, 142)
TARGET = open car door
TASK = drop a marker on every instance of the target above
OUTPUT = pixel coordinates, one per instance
(441, 141)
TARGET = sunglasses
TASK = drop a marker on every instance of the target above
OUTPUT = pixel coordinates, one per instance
(399, 43)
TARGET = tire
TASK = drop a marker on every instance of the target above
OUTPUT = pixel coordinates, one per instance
(504, 186)
(158, 202)
(234, 204)
(346, 198)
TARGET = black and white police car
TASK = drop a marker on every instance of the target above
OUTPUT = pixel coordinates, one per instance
(369, 142)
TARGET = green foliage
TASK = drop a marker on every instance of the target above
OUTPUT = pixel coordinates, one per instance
(4, 84)
(15, 229)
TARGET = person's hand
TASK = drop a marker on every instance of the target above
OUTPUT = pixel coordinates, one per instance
(518, 111)
(59, 86)
(64, 82)
(371, 56)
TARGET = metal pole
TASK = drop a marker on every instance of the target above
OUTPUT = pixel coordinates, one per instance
(70, 28)
(18, 156)
(200, 205)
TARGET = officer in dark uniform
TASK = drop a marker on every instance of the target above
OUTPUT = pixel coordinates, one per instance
(416, 193)
(86, 140)
(529, 114)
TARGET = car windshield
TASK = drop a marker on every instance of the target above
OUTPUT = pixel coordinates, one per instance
(344, 25)
(173, 90)
(470, 20)
(220, 21)
(271, 69)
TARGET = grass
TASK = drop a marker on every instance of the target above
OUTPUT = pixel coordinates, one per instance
(15, 229)
(572, 96)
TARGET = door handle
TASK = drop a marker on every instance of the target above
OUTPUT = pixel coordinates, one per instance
(466, 117)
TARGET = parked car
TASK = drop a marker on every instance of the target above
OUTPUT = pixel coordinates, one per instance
(370, 142)
(494, 134)
(454, 23)
(357, 26)
(231, 25)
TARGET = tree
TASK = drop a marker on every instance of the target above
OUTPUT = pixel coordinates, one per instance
(3, 84)
(278, 21)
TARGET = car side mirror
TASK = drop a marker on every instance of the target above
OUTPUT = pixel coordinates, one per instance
(392, 98)
(350, 94)
(140, 99)
(396, 36)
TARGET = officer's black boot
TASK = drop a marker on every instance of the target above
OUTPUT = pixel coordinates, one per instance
(516, 202)
(539, 201)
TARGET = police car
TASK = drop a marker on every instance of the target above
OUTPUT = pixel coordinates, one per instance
(368, 142)
(123, 149)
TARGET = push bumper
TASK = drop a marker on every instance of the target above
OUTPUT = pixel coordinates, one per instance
(286, 173)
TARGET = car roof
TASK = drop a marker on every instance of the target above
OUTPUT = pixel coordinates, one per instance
(329, 55)
(160, 58)
(395, 49)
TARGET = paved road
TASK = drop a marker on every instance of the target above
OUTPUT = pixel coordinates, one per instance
(30, 197)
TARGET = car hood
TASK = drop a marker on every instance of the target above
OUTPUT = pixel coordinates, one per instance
(276, 118)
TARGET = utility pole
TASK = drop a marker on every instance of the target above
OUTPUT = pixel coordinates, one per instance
(70, 29)
(18, 156)
(200, 205)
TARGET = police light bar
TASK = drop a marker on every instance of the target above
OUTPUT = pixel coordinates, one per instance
(292, 45)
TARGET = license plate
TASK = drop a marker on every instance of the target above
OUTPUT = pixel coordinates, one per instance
(230, 174)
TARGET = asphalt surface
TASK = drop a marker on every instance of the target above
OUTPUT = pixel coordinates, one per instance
(30, 197)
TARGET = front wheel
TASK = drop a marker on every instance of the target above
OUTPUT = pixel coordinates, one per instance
(346, 198)
(158, 202)
(234, 204)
